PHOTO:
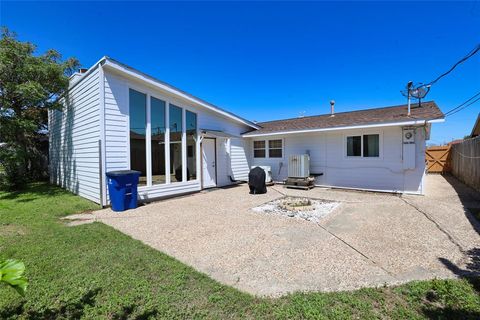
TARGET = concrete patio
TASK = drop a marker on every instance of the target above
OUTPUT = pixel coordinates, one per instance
(369, 240)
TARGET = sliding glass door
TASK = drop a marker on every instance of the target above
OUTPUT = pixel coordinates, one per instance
(163, 140)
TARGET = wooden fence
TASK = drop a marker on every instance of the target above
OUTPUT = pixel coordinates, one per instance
(465, 162)
(438, 159)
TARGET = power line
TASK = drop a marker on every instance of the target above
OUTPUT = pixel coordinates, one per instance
(424, 88)
(462, 104)
(473, 102)
(468, 56)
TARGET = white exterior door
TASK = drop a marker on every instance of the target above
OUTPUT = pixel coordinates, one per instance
(209, 171)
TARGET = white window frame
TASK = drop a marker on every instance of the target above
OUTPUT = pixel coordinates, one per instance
(148, 154)
(361, 134)
(267, 149)
(183, 143)
(281, 148)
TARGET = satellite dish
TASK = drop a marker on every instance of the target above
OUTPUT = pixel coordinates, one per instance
(418, 91)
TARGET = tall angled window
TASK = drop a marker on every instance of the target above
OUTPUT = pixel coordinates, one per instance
(191, 130)
(138, 104)
(176, 149)
(157, 118)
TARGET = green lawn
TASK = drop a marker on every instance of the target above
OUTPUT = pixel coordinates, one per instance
(94, 271)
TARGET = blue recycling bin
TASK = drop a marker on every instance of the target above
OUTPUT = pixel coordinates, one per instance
(122, 188)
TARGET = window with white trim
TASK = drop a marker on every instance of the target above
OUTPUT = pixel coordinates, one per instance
(150, 126)
(354, 146)
(275, 149)
(371, 145)
(259, 149)
(363, 146)
(138, 127)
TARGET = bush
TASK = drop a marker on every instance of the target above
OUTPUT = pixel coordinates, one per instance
(12, 161)
(17, 167)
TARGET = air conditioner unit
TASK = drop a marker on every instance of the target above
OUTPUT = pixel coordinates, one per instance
(268, 173)
(299, 166)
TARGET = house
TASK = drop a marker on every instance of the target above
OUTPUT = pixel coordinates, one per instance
(116, 117)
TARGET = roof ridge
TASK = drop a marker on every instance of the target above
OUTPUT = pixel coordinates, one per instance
(215, 107)
(353, 111)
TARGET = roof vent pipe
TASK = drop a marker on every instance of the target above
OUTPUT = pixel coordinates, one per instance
(332, 108)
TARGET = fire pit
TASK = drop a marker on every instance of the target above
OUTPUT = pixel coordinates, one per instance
(296, 204)
(298, 207)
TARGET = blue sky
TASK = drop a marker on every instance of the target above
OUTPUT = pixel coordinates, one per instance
(268, 60)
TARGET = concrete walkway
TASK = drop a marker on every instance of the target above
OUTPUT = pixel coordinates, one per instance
(369, 240)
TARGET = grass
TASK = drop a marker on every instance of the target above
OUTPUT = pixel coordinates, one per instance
(93, 271)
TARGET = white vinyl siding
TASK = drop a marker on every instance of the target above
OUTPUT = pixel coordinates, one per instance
(223, 170)
(74, 134)
(117, 136)
(328, 155)
(116, 124)
(239, 159)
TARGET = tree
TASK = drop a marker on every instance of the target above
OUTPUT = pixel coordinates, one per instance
(30, 84)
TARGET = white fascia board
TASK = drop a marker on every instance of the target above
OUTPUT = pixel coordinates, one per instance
(142, 77)
(84, 75)
(436, 120)
(366, 126)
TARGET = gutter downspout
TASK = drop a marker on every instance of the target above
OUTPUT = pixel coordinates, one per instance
(102, 155)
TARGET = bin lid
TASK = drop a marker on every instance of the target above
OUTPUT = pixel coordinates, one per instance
(118, 173)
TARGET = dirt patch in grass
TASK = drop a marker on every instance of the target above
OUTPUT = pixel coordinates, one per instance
(78, 219)
(10, 230)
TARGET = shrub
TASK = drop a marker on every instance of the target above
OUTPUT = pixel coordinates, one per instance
(12, 161)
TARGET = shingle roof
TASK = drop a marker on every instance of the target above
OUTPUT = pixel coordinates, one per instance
(427, 111)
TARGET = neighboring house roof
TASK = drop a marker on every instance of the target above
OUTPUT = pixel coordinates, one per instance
(428, 111)
(476, 128)
(455, 142)
(123, 68)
